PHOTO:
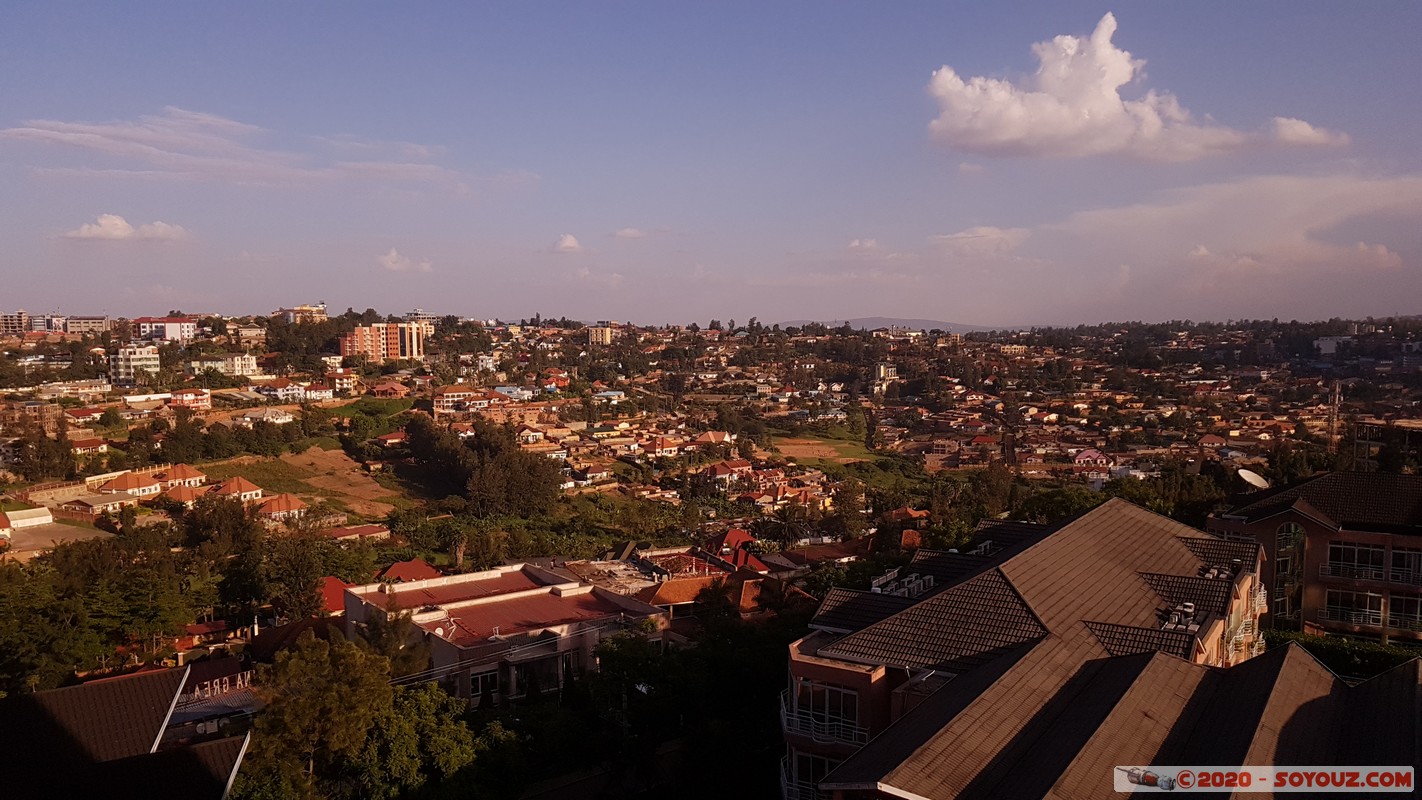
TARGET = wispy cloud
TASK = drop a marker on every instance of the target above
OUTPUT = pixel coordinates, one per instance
(863, 245)
(1072, 106)
(178, 144)
(114, 227)
(394, 262)
(631, 233)
(589, 276)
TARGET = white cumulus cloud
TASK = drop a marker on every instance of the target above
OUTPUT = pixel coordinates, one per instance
(394, 262)
(982, 240)
(567, 243)
(113, 226)
(1072, 106)
(863, 245)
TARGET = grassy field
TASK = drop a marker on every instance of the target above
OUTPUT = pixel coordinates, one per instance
(814, 451)
(274, 476)
(6, 504)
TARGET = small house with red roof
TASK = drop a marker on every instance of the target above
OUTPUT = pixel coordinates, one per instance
(134, 484)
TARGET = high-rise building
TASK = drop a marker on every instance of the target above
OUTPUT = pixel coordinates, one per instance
(131, 362)
(387, 341)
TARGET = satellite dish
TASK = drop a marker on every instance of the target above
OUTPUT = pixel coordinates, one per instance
(1254, 479)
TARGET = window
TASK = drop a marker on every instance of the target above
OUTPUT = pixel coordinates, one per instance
(488, 680)
(824, 702)
(809, 767)
(1290, 535)
(1352, 560)
(1406, 565)
(1357, 608)
(1405, 611)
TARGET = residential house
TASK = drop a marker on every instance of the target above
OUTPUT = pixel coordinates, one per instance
(239, 488)
(505, 632)
(281, 507)
(133, 483)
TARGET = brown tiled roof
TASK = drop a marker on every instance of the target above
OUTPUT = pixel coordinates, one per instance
(1221, 552)
(957, 629)
(198, 772)
(847, 610)
(96, 721)
(1049, 727)
(1125, 640)
(1208, 594)
(1355, 500)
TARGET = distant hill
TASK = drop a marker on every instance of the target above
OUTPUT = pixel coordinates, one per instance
(870, 323)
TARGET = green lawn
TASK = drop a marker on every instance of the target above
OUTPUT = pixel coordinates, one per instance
(6, 504)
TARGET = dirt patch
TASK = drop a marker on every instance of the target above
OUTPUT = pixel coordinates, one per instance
(26, 543)
(336, 473)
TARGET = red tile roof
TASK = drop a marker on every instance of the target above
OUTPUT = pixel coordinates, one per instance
(416, 569)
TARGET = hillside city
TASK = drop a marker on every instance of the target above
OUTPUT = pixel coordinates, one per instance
(309, 553)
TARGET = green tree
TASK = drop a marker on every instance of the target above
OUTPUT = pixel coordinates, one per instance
(420, 739)
(322, 699)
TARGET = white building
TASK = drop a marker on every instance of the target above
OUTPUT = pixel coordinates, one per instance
(233, 364)
(133, 361)
(169, 329)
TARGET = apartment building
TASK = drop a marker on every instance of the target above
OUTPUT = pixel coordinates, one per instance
(15, 323)
(88, 326)
(1006, 627)
(232, 364)
(303, 313)
(132, 362)
(495, 635)
(1343, 552)
(168, 329)
(387, 341)
(600, 335)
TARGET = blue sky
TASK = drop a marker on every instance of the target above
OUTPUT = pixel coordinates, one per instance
(1044, 163)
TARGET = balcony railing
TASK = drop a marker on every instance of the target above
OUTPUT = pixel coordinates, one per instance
(1407, 576)
(1352, 616)
(1259, 599)
(1240, 638)
(1405, 623)
(792, 789)
(820, 728)
(1336, 570)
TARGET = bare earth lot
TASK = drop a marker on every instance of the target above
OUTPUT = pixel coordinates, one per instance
(26, 543)
(334, 473)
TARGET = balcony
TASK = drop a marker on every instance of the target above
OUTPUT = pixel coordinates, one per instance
(792, 789)
(1351, 571)
(818, 727)
(1259, 600)
(1351, 616)
(1407, 576)
(1241, 636)
(1405, 623)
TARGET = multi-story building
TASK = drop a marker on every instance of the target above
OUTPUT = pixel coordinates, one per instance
(600, 335)
(233, 364)
(1343, 552)
(1007, 626)
(14, 324)
(168, 329)
(495, 635)
(132, 362)
(301, 314)
(387, 341)
(90, 326)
